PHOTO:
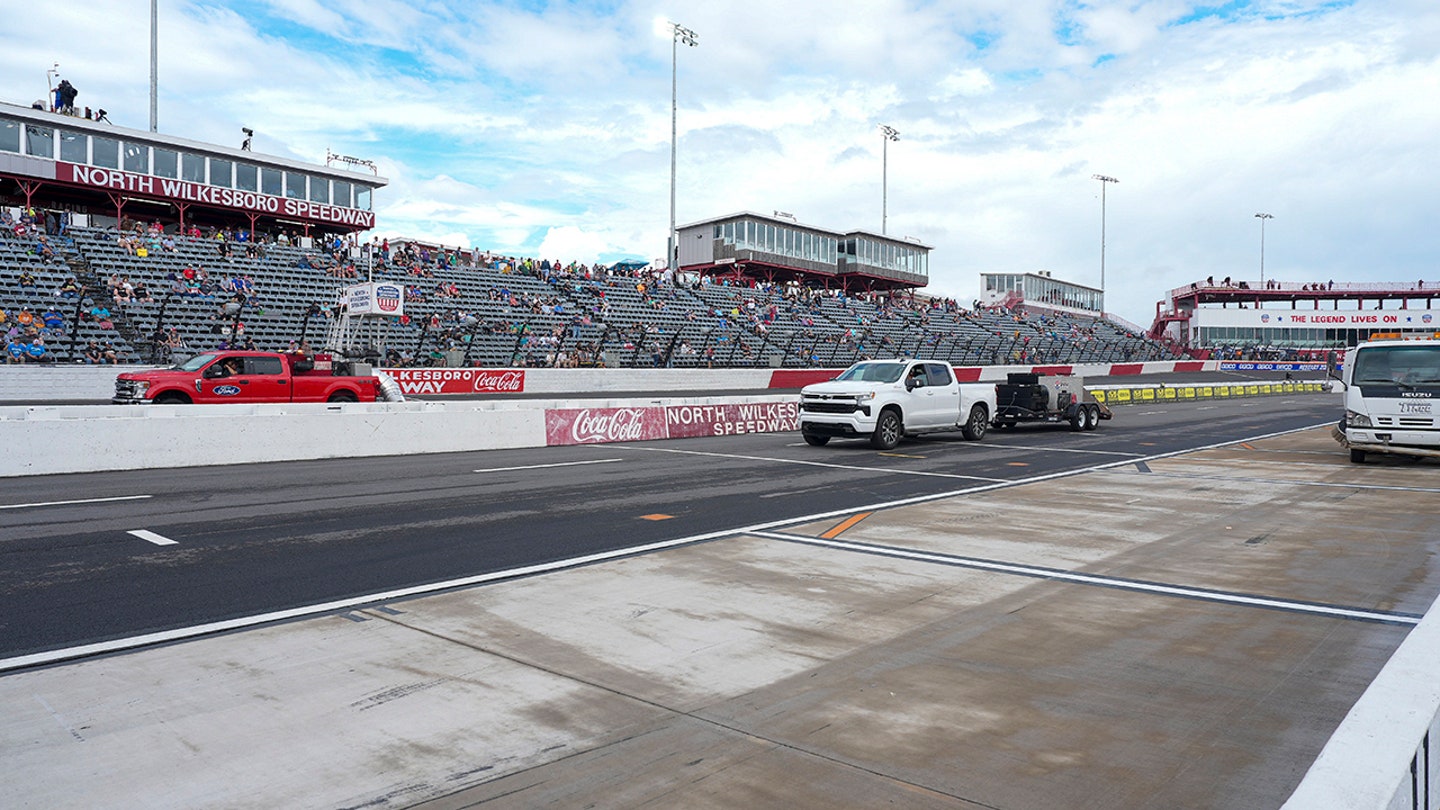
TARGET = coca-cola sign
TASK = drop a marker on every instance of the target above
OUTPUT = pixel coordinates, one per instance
(599, 425)
(459, 380)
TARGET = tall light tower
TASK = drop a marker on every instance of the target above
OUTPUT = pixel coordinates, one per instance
(1262, 218)
(887, 135)
(678, 34)
(1105, 182)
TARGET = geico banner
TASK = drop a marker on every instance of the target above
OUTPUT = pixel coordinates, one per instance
(599, 425)
(458, 380)
(685, 421)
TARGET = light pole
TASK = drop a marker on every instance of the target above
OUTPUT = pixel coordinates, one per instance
(1262, 218)
(1105, 182)
(887, 134)
(678, 34)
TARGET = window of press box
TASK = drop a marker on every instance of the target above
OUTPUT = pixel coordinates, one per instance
(246, 177)
(319, 190)
(295, 185)
(137, 158)
(192, 168)
(105, 152)
(167, 163)
(221, 172)
(270, 182)
(39, 141)
(73, 146)
(9, 135)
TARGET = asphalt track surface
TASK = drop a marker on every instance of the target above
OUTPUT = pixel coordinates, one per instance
(187, 547)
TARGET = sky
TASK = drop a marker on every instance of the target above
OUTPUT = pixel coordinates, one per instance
(543, 128)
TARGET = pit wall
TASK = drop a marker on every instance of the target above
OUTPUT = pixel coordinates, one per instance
(1384, 756)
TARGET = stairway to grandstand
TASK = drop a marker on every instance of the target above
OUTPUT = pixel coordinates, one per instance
(497, 316)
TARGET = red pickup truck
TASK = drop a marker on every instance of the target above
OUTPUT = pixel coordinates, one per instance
(245, 377)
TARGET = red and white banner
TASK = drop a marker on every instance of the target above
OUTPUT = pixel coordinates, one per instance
(599, 425)
(162, 188)
(458, 380)
(686, 421)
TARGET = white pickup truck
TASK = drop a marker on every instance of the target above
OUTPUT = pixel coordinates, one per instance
(886, 400)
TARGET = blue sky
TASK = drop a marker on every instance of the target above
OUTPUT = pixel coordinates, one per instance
(543, 128)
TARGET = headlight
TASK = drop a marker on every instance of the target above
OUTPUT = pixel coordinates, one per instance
(1356, 419)
(863, 398)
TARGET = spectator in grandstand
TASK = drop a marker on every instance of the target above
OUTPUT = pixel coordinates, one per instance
(16, 349)
(93, 355)
(53, 319)
(26, 280)
(70, 288)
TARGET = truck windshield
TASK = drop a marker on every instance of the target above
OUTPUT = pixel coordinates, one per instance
(196, 363)
(873, 372)
(1402, 365)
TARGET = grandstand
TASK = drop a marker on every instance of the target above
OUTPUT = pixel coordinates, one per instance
(496, 312)
(155, 247)
(1290, 320)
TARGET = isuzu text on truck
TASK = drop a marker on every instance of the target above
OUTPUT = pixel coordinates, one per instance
(1391, 388)
(254, 377)
(886, 400)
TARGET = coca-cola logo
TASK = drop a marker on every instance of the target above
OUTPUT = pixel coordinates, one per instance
(512, 381)
(617, 425)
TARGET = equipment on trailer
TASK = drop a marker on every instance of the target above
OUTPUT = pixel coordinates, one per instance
(1024, 397)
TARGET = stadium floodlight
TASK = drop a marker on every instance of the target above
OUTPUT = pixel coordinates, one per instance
(678, 34)
(1105, 182)
(1262, 218)
(887, 134)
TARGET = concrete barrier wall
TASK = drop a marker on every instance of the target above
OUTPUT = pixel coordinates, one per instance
(1385, 755)
(50, 439)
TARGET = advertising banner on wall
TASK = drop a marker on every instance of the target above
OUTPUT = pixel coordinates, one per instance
(598, 425)
(377, 298)
(459, 380)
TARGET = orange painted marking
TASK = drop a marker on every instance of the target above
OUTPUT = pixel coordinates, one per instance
(1246, 445)
(845, 525)
(1017, 464)
(656, 517)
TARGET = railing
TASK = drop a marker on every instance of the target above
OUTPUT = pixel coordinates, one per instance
(1422, 287)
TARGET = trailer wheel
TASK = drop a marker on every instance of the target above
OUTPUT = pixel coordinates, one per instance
(1357, 456)
(1092, 417)
(1077, 418)
(815, 440)
(974, 429)
(888, 430)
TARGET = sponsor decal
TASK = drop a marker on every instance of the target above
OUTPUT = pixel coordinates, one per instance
(684, 421)
(598, 425)
(458, 380)
(227, 390)
(388, 297)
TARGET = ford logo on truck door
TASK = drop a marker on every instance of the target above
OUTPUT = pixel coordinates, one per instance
(226, 390)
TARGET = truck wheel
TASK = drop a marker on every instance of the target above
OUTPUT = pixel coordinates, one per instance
(171, 398)
(1092, 417)
(816, 441)
(1357, 456)
(974, 429)
(343, 396)
(888, 431)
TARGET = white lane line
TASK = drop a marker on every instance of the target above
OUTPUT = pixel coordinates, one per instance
(546, 466)
(68, 503)
(182, 633)
(151, 537)
(1206, 594)
(813, 463)
(1053, 449)
(1286, 482)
